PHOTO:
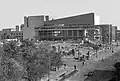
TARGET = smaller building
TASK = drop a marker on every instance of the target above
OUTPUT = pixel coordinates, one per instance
(21, 27)
(118, 35)
(114, 33)
(17, 27)
(11, 33)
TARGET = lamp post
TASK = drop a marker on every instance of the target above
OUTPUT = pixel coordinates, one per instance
(49, 67)
(49, 70)
(96, 47)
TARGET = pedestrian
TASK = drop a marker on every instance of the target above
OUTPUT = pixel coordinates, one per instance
(73, 52)
(58, 68)
(102, 59)
(96, 55)
(64, 66)
(83, 63)
(83, 56)
(74, 67)
(88, 55)
(112, 51)
(117, 44)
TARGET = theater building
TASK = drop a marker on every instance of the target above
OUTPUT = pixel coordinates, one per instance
(80, 27)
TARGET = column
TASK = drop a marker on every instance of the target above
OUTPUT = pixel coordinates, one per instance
(66, 34)
(77, 33)
(85, 32)
(72, 34)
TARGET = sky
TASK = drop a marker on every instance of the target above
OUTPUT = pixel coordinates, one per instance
(12, 12)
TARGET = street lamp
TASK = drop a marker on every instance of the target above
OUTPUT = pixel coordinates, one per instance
(49, 68)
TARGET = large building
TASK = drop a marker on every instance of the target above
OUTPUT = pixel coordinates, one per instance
(80, 27)
(32, 22)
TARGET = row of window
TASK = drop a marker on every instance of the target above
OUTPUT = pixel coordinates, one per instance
(64, 24)
(16, 33)
(19, 36)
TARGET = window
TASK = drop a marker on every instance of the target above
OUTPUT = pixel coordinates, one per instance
(74, 32)
(96, 37)
(94, 32)
(69, 32)
(98, 31)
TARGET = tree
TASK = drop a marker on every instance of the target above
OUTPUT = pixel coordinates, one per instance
(10, 67)
(38, 58)
(34, 59)
(56, 59)
(27, 61)
(117, 70)
(116, 76)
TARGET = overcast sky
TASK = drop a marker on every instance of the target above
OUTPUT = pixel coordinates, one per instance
(13, 11)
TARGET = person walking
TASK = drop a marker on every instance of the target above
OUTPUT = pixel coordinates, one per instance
(88, 55)
(102, 59)
(73, 52)
(117, 44)
(83, 63)
(74, 67)
(112, 50)
(64, 66)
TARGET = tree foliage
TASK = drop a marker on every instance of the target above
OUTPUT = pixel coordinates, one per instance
(27, 61)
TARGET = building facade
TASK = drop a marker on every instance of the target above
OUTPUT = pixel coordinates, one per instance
(33, 22)
(30, 23)
(93, 33)
(11, 33)
(118, 35)
(21, 27)
(80, 27)
(114, 33)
